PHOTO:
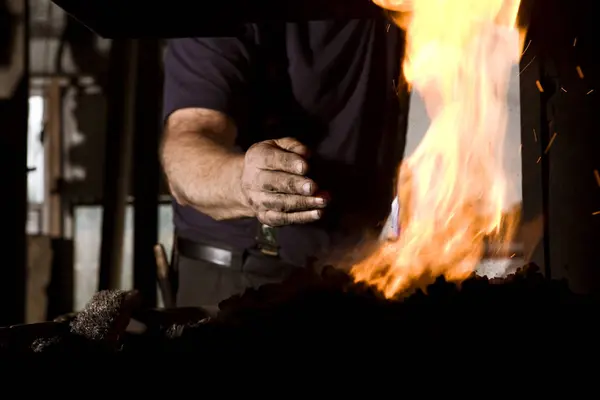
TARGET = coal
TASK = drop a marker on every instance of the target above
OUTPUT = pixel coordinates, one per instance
(326, 312)
(106, 316)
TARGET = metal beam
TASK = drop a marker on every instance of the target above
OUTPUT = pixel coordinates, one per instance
(146, 168)
(561, 103)
(45, 30)
(53, 212)
(117, 160)
(184, 18)
(14, 107)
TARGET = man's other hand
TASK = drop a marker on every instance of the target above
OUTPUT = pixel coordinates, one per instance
(274, 184)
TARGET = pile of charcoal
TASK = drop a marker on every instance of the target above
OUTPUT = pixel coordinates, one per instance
(324, 312)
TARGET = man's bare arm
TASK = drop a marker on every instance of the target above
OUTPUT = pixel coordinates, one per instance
(201, 165)
(267, 182)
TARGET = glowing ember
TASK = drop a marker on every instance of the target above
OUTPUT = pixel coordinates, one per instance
(452, 189)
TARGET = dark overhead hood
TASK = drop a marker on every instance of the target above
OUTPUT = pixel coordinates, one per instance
(184, 18)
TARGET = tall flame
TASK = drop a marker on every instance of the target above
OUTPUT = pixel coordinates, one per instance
(453, 188)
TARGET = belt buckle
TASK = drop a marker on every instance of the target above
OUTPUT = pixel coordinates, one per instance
(267, 240)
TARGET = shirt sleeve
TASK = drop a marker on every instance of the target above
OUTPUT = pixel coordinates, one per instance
(207, 73)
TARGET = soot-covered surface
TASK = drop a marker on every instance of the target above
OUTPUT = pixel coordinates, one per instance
(328, 312)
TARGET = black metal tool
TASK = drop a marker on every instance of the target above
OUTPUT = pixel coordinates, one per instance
(163, 276)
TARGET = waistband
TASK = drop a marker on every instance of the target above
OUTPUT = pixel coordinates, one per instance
(220, 256)
(252, 261)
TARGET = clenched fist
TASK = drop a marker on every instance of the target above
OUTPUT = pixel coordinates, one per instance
(274, 183)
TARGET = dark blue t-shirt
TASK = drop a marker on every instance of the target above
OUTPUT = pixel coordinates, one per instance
(330, 84)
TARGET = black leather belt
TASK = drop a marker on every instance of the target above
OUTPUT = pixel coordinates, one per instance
(253, 261)
(215, 255)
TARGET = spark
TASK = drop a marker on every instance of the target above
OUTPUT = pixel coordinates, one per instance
(513, 255)
(387, 29)
(596, 213)
(580, 72)
(590, 92)
(550, 143)
(526, 47)
(535, 135)
(539, 86)
(597, 175)
(563, 89)
(575, 42)
(528, 64)
(538, 160)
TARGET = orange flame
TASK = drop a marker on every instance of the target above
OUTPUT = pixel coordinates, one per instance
(453, 188)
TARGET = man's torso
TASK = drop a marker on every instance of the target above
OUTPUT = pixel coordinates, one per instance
(332, 85)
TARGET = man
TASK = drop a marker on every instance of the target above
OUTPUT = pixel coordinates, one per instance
(280, 146)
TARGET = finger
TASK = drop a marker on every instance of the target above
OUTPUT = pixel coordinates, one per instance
(288, 203)
(324, 195)
(276, 159)
(292, 145)
(282, 182)
(275, 218)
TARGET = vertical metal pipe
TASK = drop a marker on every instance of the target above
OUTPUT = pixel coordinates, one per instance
(564, 42)
(544, 139)
(53, 152)
(14, 112)
(146, 169)
(532, 233)
(117, 160)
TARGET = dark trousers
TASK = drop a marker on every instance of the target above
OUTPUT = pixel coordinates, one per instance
(202, 283)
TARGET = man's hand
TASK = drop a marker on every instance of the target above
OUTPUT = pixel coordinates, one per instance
(274, 185)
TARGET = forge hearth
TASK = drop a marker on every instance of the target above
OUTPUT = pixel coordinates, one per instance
(321, 309)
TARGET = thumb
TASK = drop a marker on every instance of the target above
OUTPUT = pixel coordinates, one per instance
(292, 145)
